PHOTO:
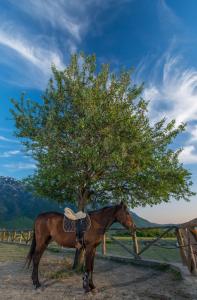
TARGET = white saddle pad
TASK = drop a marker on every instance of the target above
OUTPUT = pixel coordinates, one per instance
(72, 216)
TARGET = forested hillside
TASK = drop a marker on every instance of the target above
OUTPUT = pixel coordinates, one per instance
(19, 207)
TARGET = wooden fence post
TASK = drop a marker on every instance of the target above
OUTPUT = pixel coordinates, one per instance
(20, 240)
(181, 246)
(29, 237)
(135, 243)
(191, 256)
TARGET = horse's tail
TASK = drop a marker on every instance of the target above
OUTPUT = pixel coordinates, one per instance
(31, 250)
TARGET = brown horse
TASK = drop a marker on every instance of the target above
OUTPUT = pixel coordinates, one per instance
(49, 226)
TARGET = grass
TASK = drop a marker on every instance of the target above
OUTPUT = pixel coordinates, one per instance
(12, 252)
(61, 270)
(60, 274)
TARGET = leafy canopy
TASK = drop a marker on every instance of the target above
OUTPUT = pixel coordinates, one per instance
(93, 142)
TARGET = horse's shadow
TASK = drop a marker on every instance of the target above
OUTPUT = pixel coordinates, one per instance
(138, 280)
(48, 283)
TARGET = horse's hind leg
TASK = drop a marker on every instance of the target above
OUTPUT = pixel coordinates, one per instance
(40, 248)
(89, 263)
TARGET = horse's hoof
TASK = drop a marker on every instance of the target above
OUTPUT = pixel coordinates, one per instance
(36, 286)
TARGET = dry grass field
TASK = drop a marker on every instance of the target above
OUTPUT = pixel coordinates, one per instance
(113, 280)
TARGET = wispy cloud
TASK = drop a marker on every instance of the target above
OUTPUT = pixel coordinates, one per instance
(193, 134)
(41, 58)
(54, 30)
(5, 139)
(167, 17)
(172, 91)
(35, 61)
(66, 15)
(188, 155)
(38, 49)
(174, 94)
(9, 153)
(19, 166)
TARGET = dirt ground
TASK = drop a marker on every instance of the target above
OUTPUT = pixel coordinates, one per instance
(113, 280)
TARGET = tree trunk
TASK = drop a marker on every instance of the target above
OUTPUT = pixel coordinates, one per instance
(79, 258)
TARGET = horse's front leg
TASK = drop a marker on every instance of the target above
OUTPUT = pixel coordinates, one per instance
(36, 259)
(91, 284)
(89, 263)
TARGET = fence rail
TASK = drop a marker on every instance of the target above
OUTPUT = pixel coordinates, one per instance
(186, 235)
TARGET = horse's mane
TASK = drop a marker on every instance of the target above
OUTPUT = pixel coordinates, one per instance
(100, 209)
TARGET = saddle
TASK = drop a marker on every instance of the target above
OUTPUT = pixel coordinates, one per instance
(76, 222)
(69, 213)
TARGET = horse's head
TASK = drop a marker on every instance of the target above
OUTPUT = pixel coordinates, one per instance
(123, 216)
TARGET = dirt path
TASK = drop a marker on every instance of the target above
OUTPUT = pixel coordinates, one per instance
(113, 280)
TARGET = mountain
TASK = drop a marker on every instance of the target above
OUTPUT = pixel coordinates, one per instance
(140, 222)
(19, 207)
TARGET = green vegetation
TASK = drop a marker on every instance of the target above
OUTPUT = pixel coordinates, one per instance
(17, 223)
(155, 233)
(92, 140)
(146, 233)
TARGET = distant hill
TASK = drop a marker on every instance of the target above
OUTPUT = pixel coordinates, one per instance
(19, 207)
(140, 222)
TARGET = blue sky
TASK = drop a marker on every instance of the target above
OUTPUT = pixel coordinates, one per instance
(156, 37)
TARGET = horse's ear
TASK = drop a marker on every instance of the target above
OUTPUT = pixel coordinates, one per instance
(121, 203)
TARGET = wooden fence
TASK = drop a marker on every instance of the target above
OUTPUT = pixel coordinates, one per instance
(186, 241)
(16, 236)
(136, 251)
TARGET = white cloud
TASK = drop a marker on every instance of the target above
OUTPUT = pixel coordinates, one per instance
(40, 57)
(167, 17)
(9, 153)
(175, 95)
(188, 155)
(4, 139)
(193, 134)
(72, 17)
(172, 91)
(37, 49)
(19, 166)
(28, 62)
(66, 15)
(55, 29)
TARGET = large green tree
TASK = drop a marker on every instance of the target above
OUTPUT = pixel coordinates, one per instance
(93, 142)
